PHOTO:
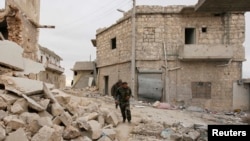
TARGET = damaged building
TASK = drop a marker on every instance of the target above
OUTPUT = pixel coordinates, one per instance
(19, 31)
(182, 54)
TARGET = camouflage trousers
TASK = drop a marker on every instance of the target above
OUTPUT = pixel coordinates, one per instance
(125, 110)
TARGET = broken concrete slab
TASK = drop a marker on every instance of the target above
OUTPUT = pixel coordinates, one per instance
(11, 55)
(48, 94)
(9, 98)
(112, 118)
(44, 134)
(21, 86)
(33, 127)
(31, 66)
(2, 133)
(44, 103)
(45, 114)
(33, 104)
(96, 130)
(19, 106)
(71, 132)
(63, 99)
(56, 109)
(18, 135)
(92, 116)
(45, 121)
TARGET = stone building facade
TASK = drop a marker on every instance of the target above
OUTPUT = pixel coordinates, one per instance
(181, 55)
(53, 73)
(19, 22)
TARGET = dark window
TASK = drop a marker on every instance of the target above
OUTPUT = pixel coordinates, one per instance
(201, 90)
(189, 35)
(75, 73)
(203, 29)
(4, 30)
(113, 43)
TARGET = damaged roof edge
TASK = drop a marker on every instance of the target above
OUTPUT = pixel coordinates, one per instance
(50, 52)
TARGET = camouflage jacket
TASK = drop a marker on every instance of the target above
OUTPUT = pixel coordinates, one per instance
(122, 93)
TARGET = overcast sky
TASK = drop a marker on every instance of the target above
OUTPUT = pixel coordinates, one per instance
(76, 22)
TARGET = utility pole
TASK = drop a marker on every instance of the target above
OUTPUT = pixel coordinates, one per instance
(133, 53)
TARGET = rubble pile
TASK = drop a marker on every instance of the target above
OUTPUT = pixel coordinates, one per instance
(53, 115)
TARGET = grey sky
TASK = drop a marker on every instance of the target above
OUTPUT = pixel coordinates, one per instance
(76, 22)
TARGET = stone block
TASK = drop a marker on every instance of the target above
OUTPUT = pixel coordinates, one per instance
(2, 133)
(45, 134)
(112, 118)
(3, 114)
(19, 106)
(3, 104)
(71, 132)
(66, 118)
(111, 133)
(191, 136)
(18, 135)
(83, 123)
(95, 128)
(33, 104)
(56, 109)
(45, 121)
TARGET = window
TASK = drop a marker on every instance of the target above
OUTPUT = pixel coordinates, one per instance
(189, 35)
(75, 73)
(47, 76)
(201, 90)
(113, 43)
(203, 29)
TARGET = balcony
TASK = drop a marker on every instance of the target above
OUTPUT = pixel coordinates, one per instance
(53, 67)
(206, 52)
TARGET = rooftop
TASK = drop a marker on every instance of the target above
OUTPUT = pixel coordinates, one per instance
(83, 65)
(50, 52)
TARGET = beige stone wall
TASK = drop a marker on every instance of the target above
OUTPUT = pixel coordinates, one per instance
(58, 80)
(157, 27)
(81, 79)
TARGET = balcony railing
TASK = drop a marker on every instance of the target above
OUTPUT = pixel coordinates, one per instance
(54, 67)
(206, 52)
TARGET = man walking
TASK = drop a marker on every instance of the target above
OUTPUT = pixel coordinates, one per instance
(114, 89)
(123, 96)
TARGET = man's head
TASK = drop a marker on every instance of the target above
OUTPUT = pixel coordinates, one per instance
(124, 84)
(119, 82)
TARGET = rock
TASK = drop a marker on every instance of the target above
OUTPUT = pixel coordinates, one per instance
(18, 135)
(9, 98)
(112, 118)
(48, 94)
(110, 133)
(19, 106)
(96, 130)
(83, 123)
(149, 129)
(191, 136)
(45, 134)
(92, 116)
(33, 104)
(166, 133)
(45, 121)
(58, 132)
(71, 132)
(29, 117)
(104, 138)
(101, 120)
(15, 123)
(3, 114)
(33, 127)
(3, 104)
(56, 109)
(45, 114)
(44, 103)
(57, 120)
(176, 137)
(93, 107)
(66, 118)
(2, 133)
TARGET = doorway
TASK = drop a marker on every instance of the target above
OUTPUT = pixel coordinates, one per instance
(106, 85)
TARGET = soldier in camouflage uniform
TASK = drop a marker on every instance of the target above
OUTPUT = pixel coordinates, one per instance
(114, 89)
(123, 96)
